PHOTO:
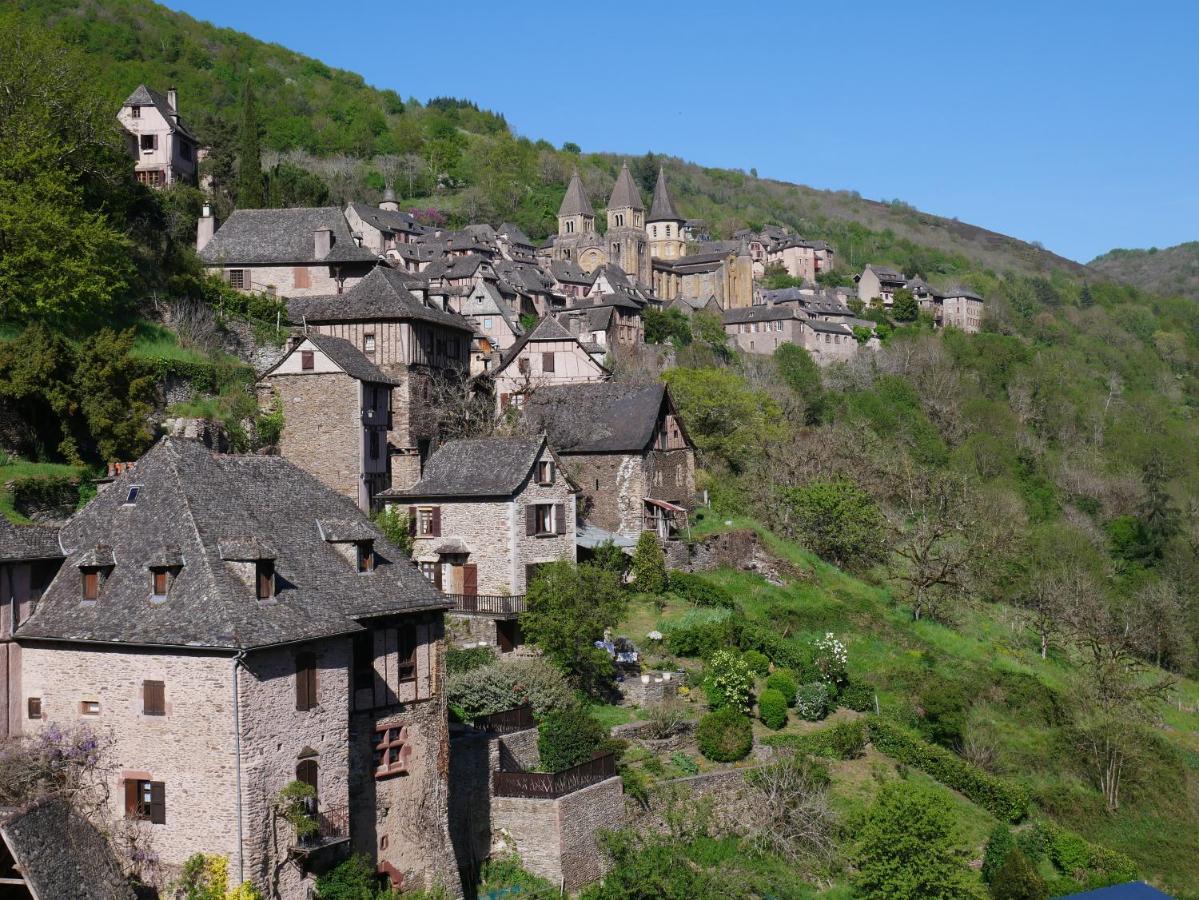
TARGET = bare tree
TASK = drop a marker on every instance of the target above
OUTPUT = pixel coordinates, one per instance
(195, 323)
(789, 813)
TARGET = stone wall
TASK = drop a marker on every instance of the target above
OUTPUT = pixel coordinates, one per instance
(463, 631)
(635, 692)
(613, 485)
(322, 430)
(516, 752)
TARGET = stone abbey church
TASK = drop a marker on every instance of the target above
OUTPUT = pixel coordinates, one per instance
(632, 238)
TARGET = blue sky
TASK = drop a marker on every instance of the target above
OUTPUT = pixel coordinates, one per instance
(1075, 124)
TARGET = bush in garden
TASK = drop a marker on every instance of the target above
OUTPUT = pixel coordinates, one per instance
(699, 632)
(699, 590)
(811, 701)
(729, 681)
(508, 683)
(725, 735)
(684, 763)
(845, 740)
(831, 660)
(757, 662)
(858, 696)
(665, 719)
(999, 844)
(649, 565)
(458, 661)
(772, 709)
(567, 737)
(783, 681)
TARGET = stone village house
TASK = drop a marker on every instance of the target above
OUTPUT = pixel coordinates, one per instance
(547, 355)
(230, 625)
(486, 514)
(162, 146)
(336, 408)
(625, 446)
(762, 329)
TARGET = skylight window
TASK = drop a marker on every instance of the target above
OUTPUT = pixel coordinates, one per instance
(131, 497)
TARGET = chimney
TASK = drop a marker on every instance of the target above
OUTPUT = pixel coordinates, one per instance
(173, 99)
(389, 200)
(205, 228)
(322, 242)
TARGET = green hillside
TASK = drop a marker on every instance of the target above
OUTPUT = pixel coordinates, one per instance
(449, 155)
(1174, 270)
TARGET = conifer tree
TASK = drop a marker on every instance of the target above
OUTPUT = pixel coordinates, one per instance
(249, 160)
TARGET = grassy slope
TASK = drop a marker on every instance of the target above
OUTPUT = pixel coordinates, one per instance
(1174, 270)
(11, 469)
(1161, 814)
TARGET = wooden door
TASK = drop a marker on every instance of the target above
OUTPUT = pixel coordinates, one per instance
(470, 580)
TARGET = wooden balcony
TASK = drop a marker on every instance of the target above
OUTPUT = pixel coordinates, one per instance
(550, 785)
(488, 604)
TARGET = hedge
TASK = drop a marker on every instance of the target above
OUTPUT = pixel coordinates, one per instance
(1000, 798)
(698, 590)
(846, 740)
(1088, 865)
(46, 492)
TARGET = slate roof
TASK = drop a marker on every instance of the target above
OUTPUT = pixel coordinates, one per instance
(959, 292)
(382, 294)
(547, 329)
(760, 314)
(61, 854)
(475, 467)
(146, 96)
(203, 503)
(513, 233)
(344, 355)
(388, 219)
(597, 417)
(27, 542)
(274, 237)
(567, 271)
(625, 194)
(827, 327)
(575, 202)
(662, 208)
(886, 274)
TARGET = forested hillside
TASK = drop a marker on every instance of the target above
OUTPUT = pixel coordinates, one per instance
(1174, 270)
(1021, 500)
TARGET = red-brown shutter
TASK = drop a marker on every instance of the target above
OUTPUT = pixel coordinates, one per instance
(437, 575)
(505, 401)
(470, 580)
(301, 277)
(530, 520)
(158, 803)
(436, 521)
(131, 798)
(559, 518)
(154, 702)
(305, 681)
(547, 362)
(306, 360)
(412, 520)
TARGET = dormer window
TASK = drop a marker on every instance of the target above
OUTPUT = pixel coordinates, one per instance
(160, 582)
(264, 578)
(91, 584)
(366, 556)
(545, 472)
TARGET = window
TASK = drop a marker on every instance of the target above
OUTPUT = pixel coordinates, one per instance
(570, 228)
(91, 584)
(522, 365)
(668, 231)
(366, 556)
(131, 497)
(135, 112)
(237, 279)
(406, 652)
(307, 361)
(544, 519)
(615, 250)
(146, 800)
(151, 177)
(364, 661)
(154, 698)
(374, 444)
(427, 521)
(159, 583)
(300, 277)
(33, 707)
(545, 472)
(531, 570)
(547, 362)
(89, 707)
(391, 750)
(432, 573)
(368, 343)
(487, 324)
(306, 698)
(619, 217)
(654, 229)
(307, 772)
(149, 142)
(264, 578)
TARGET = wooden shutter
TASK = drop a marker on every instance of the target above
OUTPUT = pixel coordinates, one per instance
(305, 681)
(34, 707)
(437, 575)
(301, 278)
(530, 520)
(158, 803)
(470, 580)
(559, 518)
(412, 520)
(307, 773)
(154, 700)
(265, 572)
(505, 401)
(436, 532)
(91, 585)
(547, 362)
(306, 360)
(131, 798)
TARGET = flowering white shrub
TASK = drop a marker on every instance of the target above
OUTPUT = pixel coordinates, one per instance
(831, 659)
(812, 701)
(729, 681)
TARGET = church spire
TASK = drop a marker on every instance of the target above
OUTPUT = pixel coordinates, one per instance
(575, 203)
(625, 194)
(662, 209)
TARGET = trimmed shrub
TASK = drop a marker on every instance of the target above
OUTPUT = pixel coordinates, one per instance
(458, 661)
(772, 709)
(1002, 799)
(729, 681)
(846, 740)
(858, 696)
(1017, 879)
(783, 681)
(1092, 864)
(567, 737)
(999, 844)
(649, 565)
(699, 590)
(725, 735)
(945, 706)
(507, 683)
(758, 663)
(811, 701)
(699, 632)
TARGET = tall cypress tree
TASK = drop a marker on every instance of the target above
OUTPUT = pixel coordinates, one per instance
(249, 162)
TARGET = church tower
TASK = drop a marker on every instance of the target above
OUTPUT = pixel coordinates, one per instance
(575, 215)
(626, 241)
(665, 224)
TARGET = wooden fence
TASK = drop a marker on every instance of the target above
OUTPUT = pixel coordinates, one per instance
(519, 718)
(489, 604)
(549, 785)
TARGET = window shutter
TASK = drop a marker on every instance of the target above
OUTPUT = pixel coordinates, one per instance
(436, 521)
(547, 362)
(301, 279)
(131, 798)
(470, 580)
(158, 803)
(559, 518)
(306, 360)
(154, 698)
(505, 400)
(530, 574)
(530, 520)
(305, 681)
(412, 520)
(437, 575)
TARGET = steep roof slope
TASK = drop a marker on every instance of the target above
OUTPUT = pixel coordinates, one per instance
(382, 294)
(662, 208)
(282, 237)
(625, 193)
(476, 467)
(597, 417)
(575, 202)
